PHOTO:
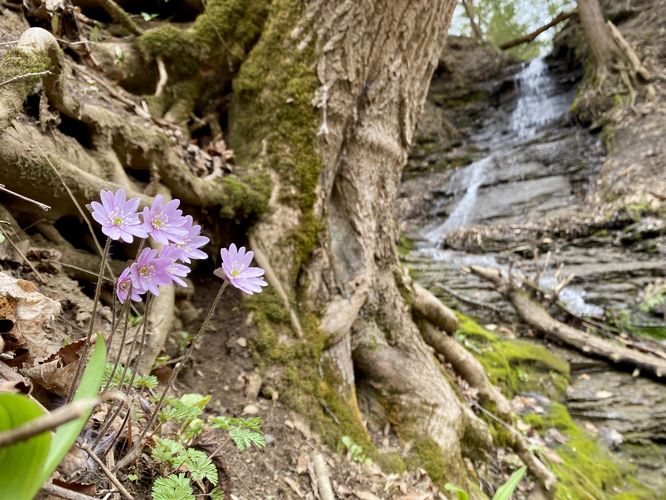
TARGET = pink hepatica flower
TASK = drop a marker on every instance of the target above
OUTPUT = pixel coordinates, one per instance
(150, 271)
(164, 222)
(118, 216)
(175, 269)
(123, 287)
(237, 271)
(191, 242)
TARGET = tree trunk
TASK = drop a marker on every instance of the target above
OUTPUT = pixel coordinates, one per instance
(334, 249)
(469, 10)
(603, 50)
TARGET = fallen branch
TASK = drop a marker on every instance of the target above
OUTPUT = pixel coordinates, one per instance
(562, 16)
(323, 479)
(465, 299)
(534, 315)
(112, 477)
(61, 492)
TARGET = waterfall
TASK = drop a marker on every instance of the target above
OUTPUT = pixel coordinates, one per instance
(470, 179)
(538, 102)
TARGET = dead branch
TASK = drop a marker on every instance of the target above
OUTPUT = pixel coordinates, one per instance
(323, 479)
(112, 477)
(120, 16)
(538, 318)
(61, 492)
(48, 422)
(465, 299)
(562, 16)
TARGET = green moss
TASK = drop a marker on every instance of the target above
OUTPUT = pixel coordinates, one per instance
(226, 29)
(272, 109)
(308, 385)
(245, 198)
(587, 470)
(391, 463)
(427, 455)
(514, 365)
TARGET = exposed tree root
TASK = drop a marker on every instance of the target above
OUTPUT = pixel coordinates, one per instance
(538, 318)
(433, 310)
(471, 370)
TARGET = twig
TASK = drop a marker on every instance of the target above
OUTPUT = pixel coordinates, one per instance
(61, 492)
(79, 208)
(21, 77)
(323, 479)
(15, 247)
(41, 205)
(164, 77)
(112, 477)
(48, 422)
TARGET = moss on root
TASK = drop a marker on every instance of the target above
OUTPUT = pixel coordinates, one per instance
(308, 385)
(427, 455)
(586, 470)
(244, 199)
(514, 364)
(226, 28)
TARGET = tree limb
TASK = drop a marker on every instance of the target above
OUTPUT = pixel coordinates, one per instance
(562, 16)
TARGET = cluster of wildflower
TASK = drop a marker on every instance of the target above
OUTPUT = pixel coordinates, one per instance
(182, 240)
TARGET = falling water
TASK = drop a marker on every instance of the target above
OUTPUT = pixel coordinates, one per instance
(538, 103)
(471, 178)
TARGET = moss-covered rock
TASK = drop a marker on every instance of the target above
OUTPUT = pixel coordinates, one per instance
(584, 469)
(514, 365)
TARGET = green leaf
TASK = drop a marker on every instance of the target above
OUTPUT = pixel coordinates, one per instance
(200, 466)
(148, 17)
(168, 451)
(21, 463)
(244, 438)
(173, 487)
(505, 491)
(461, 494)
(2, 238)
(66, 434)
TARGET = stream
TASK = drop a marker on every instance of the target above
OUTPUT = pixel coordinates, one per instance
(527, 163)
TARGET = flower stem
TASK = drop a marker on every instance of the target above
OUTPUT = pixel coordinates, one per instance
(139, 443)
(91, 326)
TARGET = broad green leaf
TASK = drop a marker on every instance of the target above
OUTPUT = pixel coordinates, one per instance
(66, 434)
(21, 463)
(505, 491)
(460, 493)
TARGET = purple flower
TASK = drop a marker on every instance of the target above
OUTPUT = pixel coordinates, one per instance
(123, 287)
(118, 217)
(175, 269)
(150, 271)
(235, 269)
(191, 242)
(164, 222)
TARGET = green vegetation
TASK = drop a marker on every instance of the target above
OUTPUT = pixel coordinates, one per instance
(586, 471)
(182, 466)
(514, 364)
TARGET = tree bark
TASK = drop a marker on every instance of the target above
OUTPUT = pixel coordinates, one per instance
(374, 61)
(603, 49)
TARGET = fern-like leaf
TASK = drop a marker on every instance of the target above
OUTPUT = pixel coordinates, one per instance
(173, 487)
(200, 466)
(244, 438)
(168, 451)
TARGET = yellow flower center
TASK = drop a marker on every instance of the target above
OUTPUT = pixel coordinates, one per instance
(157, 223)
(117, 221)
(235, 273)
